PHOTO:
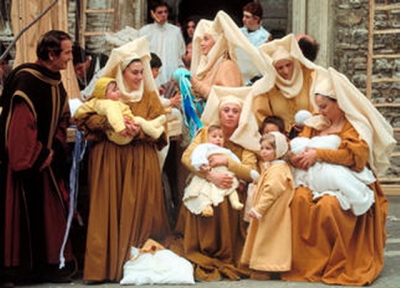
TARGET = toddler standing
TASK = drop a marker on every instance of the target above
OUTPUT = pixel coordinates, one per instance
(268, 243)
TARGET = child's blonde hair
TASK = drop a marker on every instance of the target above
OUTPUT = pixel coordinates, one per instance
(276, 139)
(213, 127)
(269, 138)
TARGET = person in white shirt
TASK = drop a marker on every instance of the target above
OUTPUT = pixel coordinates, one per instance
(165, 40)
(255, 33)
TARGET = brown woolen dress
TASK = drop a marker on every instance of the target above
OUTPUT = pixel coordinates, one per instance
(214, 244)
(331, 245)
(126, 197)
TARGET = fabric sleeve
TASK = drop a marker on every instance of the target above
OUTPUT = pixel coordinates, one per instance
(85, 108)
(154, 110)
(113, 112)
(93, 125)
(200, 88)
(228, 74)
(24, 151)
(199, 156)
(186, 156)
(165, 102)
(242, 170)
(352, 152)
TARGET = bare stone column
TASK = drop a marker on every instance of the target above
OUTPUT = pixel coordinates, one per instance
(315, 17)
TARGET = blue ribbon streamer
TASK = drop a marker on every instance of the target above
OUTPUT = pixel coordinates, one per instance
(78, 153)
(192, 107)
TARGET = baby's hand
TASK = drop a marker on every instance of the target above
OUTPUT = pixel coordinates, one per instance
(306, 159)
(221, 180)
(218, 160)
(176, 100)
(132, 128)
(204, 168)
(124, 133)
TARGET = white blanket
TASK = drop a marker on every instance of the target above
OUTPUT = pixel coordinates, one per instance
(349, 187)
(162, 267)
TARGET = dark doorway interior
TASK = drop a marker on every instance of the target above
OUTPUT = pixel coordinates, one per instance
(208, 9)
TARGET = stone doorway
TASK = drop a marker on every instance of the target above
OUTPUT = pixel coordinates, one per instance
(208, 8)
(276, 12)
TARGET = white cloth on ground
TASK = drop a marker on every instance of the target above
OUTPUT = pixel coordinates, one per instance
(162, 267)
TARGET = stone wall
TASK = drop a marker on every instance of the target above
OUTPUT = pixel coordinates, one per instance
(351, 50)
(95, 23)
(102, 22)
(275, 16)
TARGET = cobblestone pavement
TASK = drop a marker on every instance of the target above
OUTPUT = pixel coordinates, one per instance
(389, 278)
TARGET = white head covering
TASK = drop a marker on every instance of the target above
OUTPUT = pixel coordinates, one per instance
(281, 144)
(230, 99)
(120, 58)
(361, 113)
(246, 134)
(280, 53)
(287, 48)
(324, 86)
(227, 37)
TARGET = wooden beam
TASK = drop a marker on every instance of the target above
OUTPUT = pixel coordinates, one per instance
(97, 33)
(383, 80)
(387, 31)
(97, 11)
(386, 56)
(370, 52)
(387, 7)
(391, 190)
(386, 105)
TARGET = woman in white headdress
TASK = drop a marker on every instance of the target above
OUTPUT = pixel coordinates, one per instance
(126, 194)
(214, 58)
(292, 83)
(214, 244)
(331, 244)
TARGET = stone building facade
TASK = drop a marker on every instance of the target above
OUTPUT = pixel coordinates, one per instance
(352, 36)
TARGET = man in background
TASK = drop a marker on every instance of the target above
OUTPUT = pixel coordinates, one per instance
(165, 40)
(252, 29)
(308, 45)
(86, 65)
(255, 33)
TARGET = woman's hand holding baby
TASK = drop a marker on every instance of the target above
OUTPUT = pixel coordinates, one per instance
(221, 180)
(305, 160)
(132, 128)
